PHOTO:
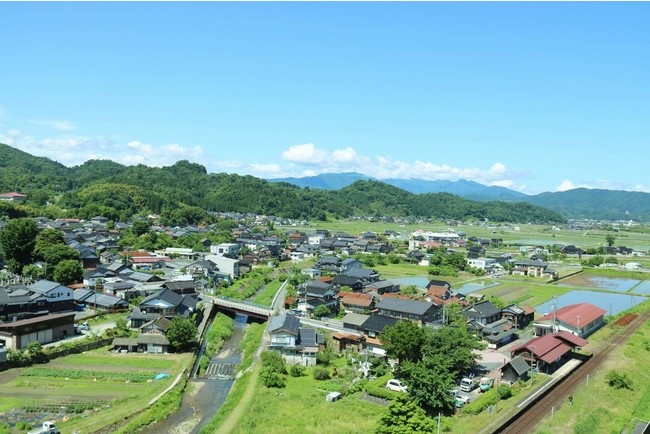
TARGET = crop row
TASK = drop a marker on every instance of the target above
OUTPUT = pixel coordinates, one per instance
(135, 377)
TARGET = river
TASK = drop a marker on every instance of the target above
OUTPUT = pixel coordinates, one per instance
(204, 396)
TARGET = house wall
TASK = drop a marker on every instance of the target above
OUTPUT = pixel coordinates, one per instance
(283, 339)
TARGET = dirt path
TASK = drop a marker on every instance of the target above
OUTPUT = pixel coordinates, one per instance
(231, 422)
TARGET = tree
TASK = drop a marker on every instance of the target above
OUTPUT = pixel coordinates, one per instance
(33, 272)
(181, 333)
(140, 227)
(429, 383)
(452, 346)
(321, 311)
(56, 254)
(404, 416)
(404, 340)
(46, 239)
(18, 239)
(68, 271)
(611, 239)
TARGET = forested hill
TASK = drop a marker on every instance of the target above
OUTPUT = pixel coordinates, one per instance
(597, 204)
(183, 192)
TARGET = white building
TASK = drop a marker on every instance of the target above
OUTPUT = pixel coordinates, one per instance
(482, 263)
(225, 249)
(225, 265)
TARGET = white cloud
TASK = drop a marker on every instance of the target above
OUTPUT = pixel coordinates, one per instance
(307, 153)
(227, 164)
(56, 125)
(641, 188)
(569, 185)
(344, 155)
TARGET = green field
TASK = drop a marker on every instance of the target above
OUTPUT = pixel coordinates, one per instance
(106, 386)
(301, 407)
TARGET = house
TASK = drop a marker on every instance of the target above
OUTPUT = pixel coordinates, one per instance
(483, 312)
(581, 319)
(107, 302)
(318, 293)
(297, 345)
(13, 197)
(354, 321)
(365, 274)
(382, 287)
(158, 325)
(420, 311)
(516, 369)
(43, 329)
(497, 333)
(341, 280)
(59, 297)
(355, 302)
(164, 303)
(153, 343)
(181, 287)
(225, 249)
(518, 316)
(18, 302)
(226, 265)
(329, 263)
(533, 269)
(482, 263)
(549, 351)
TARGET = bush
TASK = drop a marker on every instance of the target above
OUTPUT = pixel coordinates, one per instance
(618, 381)
(297, 371)
(487, 399)
(273, 361)
(270, 378)
(321, 373)
(23, 426)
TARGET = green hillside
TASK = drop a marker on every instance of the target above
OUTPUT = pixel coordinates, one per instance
(184, 192)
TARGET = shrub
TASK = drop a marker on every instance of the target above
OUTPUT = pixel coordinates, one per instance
(618, 381)
(23, 426)
(321, 373)
(487, 399)
(273, 361)
(270, 378)
(297, 371)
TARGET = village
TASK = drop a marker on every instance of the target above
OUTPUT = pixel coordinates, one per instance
(330, 296)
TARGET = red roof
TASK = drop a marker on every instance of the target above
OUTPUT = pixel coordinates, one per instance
(394, 295)
(353, 299)
(36, 320)
(437, 291)
(569, 314)
(550, 347)
(13, 194)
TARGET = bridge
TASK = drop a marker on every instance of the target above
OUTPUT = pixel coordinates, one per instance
(242, 307)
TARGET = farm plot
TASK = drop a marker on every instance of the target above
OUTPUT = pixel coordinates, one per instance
(72, 390)
(524, 294)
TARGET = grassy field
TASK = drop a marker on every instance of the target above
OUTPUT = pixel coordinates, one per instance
(301, 407)
(599, 408)
(265, 296)
(107, 385)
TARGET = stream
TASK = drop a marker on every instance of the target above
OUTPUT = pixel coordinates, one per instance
(204, 396)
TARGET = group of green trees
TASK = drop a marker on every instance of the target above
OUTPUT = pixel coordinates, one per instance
(183, 193)
(431, 360)
(23, 245)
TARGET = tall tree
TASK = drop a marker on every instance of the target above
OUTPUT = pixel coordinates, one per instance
(404, 416)
(68, 271)
(181, 333)
(56, 254)
(46, 239)
(18, 239)
(611, 239)
(404, 340)
(429, 383)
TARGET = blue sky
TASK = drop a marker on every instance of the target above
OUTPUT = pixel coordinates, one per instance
(531, 96)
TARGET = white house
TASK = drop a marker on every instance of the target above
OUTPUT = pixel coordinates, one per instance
(482, 263)
(225, 249)
(225, 265)
(298, 345)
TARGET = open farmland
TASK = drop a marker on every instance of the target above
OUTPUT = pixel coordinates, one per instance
(97, 388)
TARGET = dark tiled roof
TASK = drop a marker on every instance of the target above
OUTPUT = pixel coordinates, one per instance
(377, 323)
(407, 306)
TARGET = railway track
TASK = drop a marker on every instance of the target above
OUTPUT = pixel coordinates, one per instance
(526, 420)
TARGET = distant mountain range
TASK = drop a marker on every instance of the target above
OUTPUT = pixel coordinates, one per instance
(577, 203)
(463, 188)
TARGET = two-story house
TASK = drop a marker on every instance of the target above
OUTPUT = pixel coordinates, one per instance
(414, 310)
(297, 345)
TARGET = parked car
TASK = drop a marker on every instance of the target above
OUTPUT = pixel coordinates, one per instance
(486, 384)
(468, 384)
(47, 427)
(460, 401)
(396, 386)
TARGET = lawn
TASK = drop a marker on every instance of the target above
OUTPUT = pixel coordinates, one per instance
(265, 296)
(108, 386)
(301, 407)
(601, 408)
